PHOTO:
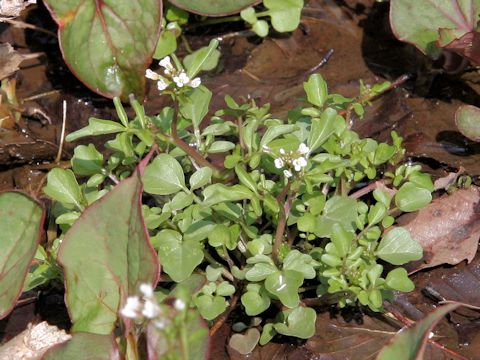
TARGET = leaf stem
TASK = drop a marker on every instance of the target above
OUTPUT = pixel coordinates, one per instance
(195, 155)
(282, 219)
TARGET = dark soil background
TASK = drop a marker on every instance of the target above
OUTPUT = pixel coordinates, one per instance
(272, 71)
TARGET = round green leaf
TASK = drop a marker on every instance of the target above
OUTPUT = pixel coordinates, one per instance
(411, 197)
(397, 279)
(397, 247)
(284, 285)
(300, 322)
(164, 176)
(467, 118)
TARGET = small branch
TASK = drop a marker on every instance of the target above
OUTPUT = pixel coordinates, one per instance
(282, 220)
(195, 155)
(62, 134)
(24, 25)
(222, 318)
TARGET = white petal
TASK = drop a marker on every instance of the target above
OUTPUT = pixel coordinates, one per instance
(278, 163)
(265, 148)
(132, 307)
(166, 63)
(160, 324)
(146, 290)
(178, 81)
(287, 173)
(162, 84)
(179, 304)
(303, 149)
(151, 309)
(195, 82)
(282, 151)
(152, 75)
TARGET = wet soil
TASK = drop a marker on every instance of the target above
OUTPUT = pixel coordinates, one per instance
(272, 71)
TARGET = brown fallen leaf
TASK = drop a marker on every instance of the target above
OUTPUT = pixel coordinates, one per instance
(448, 229)
(10, 59)
(13, 8)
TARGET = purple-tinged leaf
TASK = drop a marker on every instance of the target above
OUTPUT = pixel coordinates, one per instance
(467, 118)
(418, 22)
(467, 45)
(108, 44)
(214, 7)
(106, 255)
(21, 222)
(85, 346)
(410, 342)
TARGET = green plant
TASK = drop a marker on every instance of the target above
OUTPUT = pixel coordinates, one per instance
(292, 206)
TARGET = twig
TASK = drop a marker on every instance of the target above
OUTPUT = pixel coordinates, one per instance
(222, 318)
(200, 160)
(24, 25)
(62, 135)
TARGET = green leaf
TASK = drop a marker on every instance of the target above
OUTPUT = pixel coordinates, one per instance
(268, 332)
(214, 8)
(255, 300)
(108, 44)
(467, 118)
(377, 213)
(397, 247)
(225, 289)
(342, 239)
(164, 176)
(299, 322)
(284, 14)
(244, 344)
(210, 306)
(167, 44)
(316, 90)
(397, 279)
(275, 131)
(383, 153)
(302, 263)
(261, 28)
(322, 129)
(200, 178)
(220, 147)
(411, 197)
(410, 342)
(338, 209)
(418, 23)
(203, 59)
(284, 285)
(62, 186)
(195, 106)
(218, 193)
(87, 160)
(260, 271)
(85, 346)
(248, 15)
(178, 257)
(112, 240)
(96, 127)
(21, 223)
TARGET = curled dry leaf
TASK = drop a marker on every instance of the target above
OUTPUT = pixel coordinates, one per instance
(448, 229)
(10, 60)
(13, 8)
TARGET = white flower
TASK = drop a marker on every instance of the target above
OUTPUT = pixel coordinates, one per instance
(279, 163)
(265, 148)
(179, 304)
(162, 84)
(299, 163)
(152, 75)
(282, 151)
(287, 173)
(195, 82)
(303, 149)
(151, 309)
(166, 63)
(132, 307)
(146, 290)
(160, 324)
(182, 79)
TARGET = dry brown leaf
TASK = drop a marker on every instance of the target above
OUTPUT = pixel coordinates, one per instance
(448, 229)
(10, 59)
(13, 8)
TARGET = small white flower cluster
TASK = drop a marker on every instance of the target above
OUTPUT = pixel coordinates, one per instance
(147, 307)
(179, 77)
(296, 159)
